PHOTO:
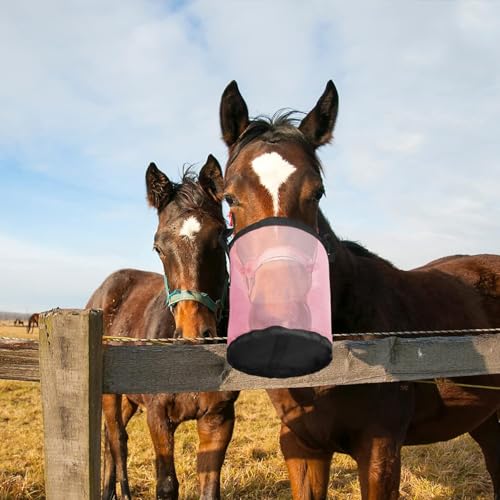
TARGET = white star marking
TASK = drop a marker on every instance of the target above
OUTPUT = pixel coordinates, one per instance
(190, 227)
(273, 171)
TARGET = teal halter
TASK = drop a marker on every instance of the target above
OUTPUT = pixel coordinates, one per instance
(216, 306)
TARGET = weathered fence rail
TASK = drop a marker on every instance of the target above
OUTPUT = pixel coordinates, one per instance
(75, 369)
(19, 359)
(182, 368)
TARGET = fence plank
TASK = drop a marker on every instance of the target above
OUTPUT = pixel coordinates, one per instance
(19, 359)
(71, 382)
(178, 368)
(183, 368)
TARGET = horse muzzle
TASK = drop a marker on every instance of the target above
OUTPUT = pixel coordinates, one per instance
(279, 296)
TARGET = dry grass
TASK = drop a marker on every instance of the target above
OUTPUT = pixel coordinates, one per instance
(254, 468)
(7, 329)
(21, 441)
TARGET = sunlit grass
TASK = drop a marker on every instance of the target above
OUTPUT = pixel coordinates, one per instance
(254, 468)
(7, 329)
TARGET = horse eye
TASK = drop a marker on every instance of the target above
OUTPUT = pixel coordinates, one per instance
(229, 200)
(318, 194)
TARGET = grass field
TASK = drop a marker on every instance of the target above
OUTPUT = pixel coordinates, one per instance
(253, 468)
(7, 329)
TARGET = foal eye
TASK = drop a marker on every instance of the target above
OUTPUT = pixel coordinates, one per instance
(229, 200)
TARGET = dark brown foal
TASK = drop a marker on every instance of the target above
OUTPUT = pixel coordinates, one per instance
(188, 240)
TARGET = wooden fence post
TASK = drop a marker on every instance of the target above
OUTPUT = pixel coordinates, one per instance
(71, 386)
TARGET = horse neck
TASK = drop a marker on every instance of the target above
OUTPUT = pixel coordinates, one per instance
(369, 294)
(342, 267)
(352, 281)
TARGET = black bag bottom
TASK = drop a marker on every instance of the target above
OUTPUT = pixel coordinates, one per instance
(278, 352)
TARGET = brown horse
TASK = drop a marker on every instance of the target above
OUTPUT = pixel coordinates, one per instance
(32, 322)
(188, 240)
(480, 271)
(18, 322)
(273, 170)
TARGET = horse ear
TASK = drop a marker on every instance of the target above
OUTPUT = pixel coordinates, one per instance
(158, 187)
(318, 124)
(210, 178)
(233, 114)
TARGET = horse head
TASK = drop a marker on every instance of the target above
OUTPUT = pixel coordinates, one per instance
(280, 291)
(273, 170)
(189, 244)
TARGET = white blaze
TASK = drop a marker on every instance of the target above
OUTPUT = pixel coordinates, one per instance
(273, 171)
(190, 227)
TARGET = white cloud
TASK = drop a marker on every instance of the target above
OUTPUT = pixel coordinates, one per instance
(37, 277)
(92, 92)
(406, 142)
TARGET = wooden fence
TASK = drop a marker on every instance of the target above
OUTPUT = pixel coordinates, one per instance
(75, 368)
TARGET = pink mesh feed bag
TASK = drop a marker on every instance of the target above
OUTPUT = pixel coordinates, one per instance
(279, 297)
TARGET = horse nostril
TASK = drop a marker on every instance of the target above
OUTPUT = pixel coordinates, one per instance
(178, 333)
(207, 333)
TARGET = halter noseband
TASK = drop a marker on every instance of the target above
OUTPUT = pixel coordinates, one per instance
(177, 295)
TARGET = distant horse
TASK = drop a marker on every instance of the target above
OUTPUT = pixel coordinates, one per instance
(273, 171)
(32, 322)
(189, 243)
(19, 322)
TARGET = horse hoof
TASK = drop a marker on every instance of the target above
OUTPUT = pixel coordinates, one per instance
(109, 495)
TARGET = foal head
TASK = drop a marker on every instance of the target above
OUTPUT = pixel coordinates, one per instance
(188, 241)
(273, 170)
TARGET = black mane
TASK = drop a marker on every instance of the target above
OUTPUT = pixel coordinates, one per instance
(361, 251)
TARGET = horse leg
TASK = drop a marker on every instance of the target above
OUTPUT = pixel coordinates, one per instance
(487, 436)
(128, 410)
(162, 435)
(214, 431)
(379, 467)
(308, 470)
(115, 462)
(109, 475)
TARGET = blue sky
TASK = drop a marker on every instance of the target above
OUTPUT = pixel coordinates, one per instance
(91, 92)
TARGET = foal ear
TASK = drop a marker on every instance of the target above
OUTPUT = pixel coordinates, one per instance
(158, 187)
(210, 178)
(318, 124)
(233, 114)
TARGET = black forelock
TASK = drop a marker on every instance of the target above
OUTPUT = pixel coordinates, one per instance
(282, 126)
(189, 195)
